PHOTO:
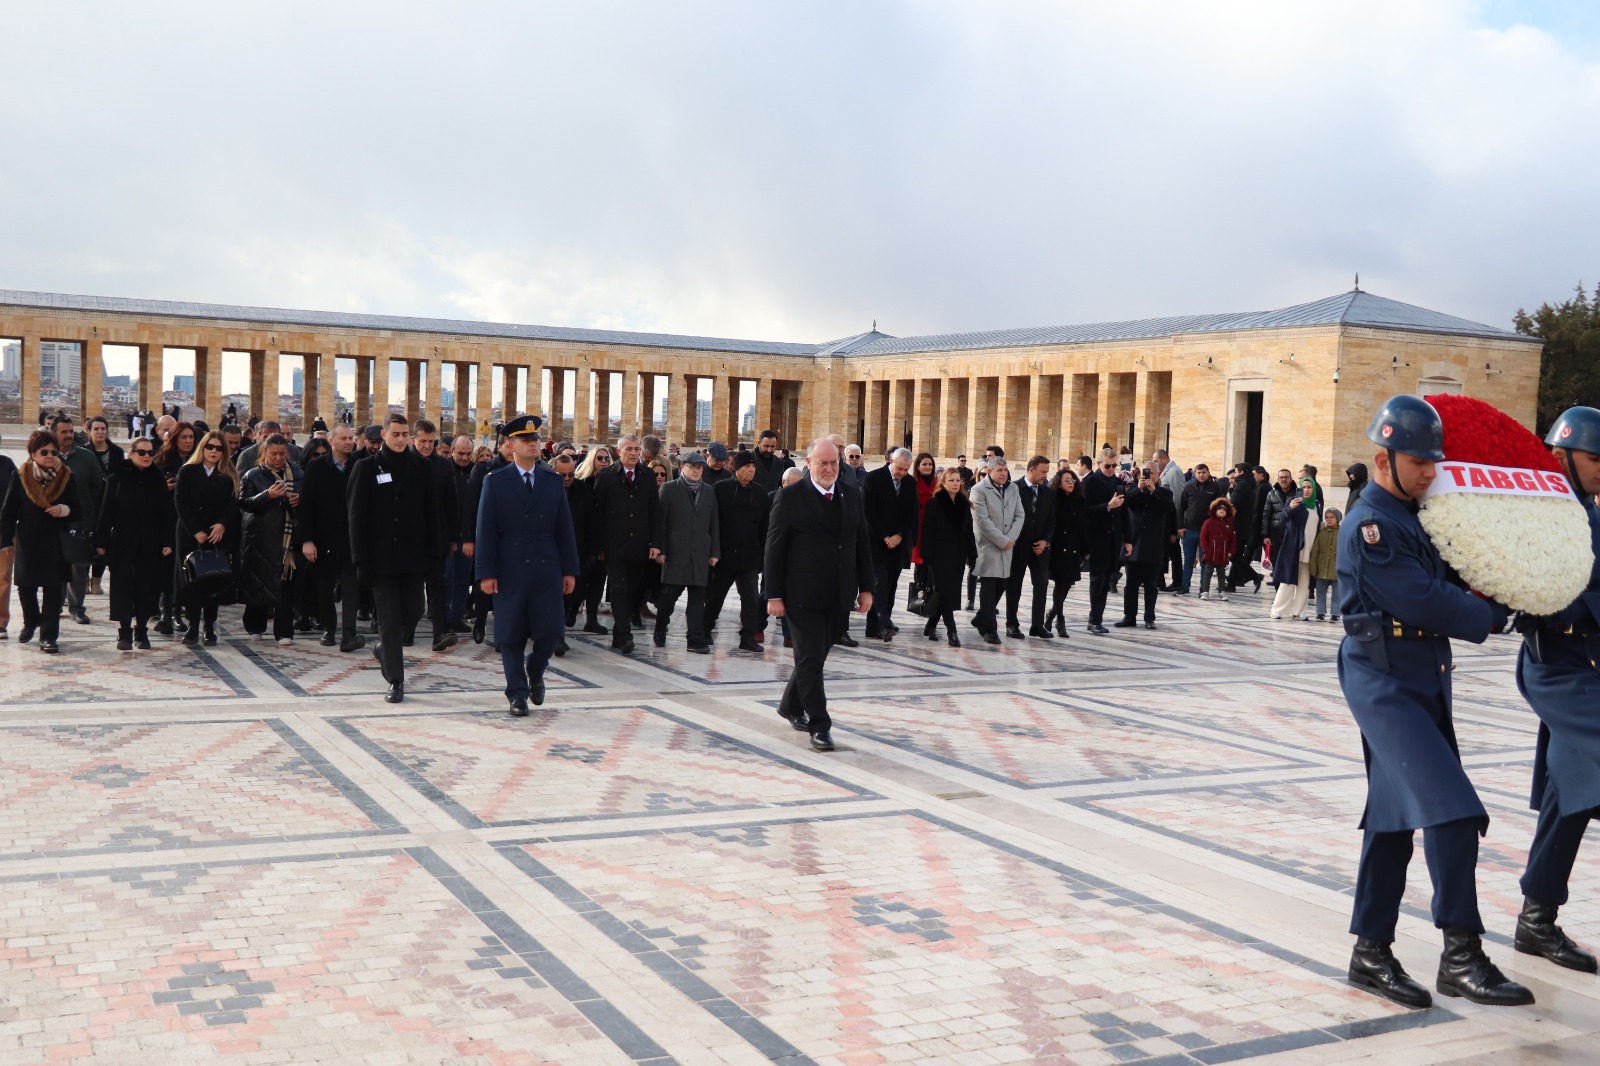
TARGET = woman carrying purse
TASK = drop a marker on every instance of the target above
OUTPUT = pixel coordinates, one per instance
(206, 497)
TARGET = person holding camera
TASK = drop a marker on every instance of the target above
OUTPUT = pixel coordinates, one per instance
(1150, 515)
(1105, 525)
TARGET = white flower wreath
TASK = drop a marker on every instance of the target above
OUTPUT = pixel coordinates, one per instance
(1530, 553)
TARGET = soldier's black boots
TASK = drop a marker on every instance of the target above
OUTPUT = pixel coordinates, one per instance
(1464, 970)
(1538, 934)
(1374, 967)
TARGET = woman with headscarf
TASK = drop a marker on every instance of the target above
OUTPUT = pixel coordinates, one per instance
(1066, 547)
(1291, 560)
(206, 498)
(133, 535)
(36, 513)
(269, 550)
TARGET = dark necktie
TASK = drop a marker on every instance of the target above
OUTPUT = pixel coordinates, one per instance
(527, 481)
(828, 495)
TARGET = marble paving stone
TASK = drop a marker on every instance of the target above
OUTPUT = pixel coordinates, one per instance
(67, 789)
(594, 762)
(854, 936)
(305, 668)
(92, 671)
(1013, 657)
(204, 962)
(1267, 709)
(726, 665)
(1036, 743)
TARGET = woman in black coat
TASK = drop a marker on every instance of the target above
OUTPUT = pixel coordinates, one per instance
(270, 547)
(206, 497)
(1066, 546)
(37, 511)
(947, 548)
(133, 534)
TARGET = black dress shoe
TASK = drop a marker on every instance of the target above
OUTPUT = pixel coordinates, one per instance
(595, 628)
(81, 616)
(363, 615)
(460, 628)
(751, 644)
(377, 653)
(1374, 967)
(799, 725)
(141, 639)
(658, 639)
(396, 693)
(1464, 970)
(408, 640)
(1124, 623)
(1538, 934)
(1041, 633)
(477, 631)
(1015, 632)
(26, 635)
(562, 649)
(191, 636)
(845, 640)
(125, 640)
(1149, 625)
(329, 640)
(930, 634)
(954, 641)
(536, 691)
(700, 648)
(889, 633)
(518, 708)
(48, 647)
(164, 627)
(625, 647)
(354, 642)
(991, 637)
(1097, 629)
(821, 742)
(444, 641)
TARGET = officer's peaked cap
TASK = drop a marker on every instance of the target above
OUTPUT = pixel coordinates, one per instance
(1408, 424)
(1578, 427)
(523, 426)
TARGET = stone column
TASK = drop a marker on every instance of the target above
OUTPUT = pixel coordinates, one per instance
(91, 379)
(982, 406)
(433, 368)
(1152, 410)
(150, 377)
(648, 403)
(463, 389)
(581, 393)
(311, 391)
(680, 405)
(763, 407)
(363, 399)
(874, 423)
(953, 418)
(558, 398)
(380, 389)
(899, 414)
(628, 420)
(328, 388)
(724, 404)
(1011, 418)
(1044, 416)
(413, 404)
(925, 417)
(28, 367)
(601, 428)
(264, 385)
(484, 401)
(208, 382)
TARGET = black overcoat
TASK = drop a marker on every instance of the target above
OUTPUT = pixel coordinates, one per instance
(36, 536)
(817, 554)
(743, 512)
(1150, 518)
(1067, 545)
(260, 566)
(394, 523)
(624, 514)
(1105, 528)
(324, 517)
(889, 513)
(135, 523)
(202, 501)
(947, 544)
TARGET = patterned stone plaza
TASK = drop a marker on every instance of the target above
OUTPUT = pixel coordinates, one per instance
(1099, 850)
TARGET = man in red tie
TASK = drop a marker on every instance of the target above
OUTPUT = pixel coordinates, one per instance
(625, 503)
(818, 567)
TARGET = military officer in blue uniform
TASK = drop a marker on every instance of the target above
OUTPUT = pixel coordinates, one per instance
(1558, 676)
(527, 559)
(1401, 605)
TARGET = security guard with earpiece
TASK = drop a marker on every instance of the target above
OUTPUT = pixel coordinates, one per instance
(1401, 605)
(1558, 676)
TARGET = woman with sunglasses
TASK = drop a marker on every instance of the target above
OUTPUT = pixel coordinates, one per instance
(592, 464)
(171, 454)
(269, 496)
(37, 510)
(133, 534)
(207, 501)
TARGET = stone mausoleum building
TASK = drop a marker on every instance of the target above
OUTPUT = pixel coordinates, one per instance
(1280, 387)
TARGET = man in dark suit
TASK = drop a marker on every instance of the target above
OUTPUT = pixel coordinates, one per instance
(425, 439)
(394, 538)
(742, 509)
(1032, 553)
(1149, 523)
(818, 565)
(527, 559)
(1105, 525)
(625, 503)
(325, 525)
(893, 514)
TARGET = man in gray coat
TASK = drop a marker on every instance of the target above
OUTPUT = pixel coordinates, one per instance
(690, 538)
(997, 520)
(1170, 477)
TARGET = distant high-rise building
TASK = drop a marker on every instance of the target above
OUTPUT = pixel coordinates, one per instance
(119, 381)
(58, 363)
(11, 362)
(702, 416)
(747, 425)
(183, 383)
(663, 418)
(299, 386)
(447, 399)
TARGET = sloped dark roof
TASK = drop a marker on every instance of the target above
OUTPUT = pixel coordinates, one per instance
(1353, 308)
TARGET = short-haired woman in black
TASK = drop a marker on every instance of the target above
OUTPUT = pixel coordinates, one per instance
(134, 536)
(206, 497)
(948, 548)
(37, 510)
(1066, 547)
(269, 550)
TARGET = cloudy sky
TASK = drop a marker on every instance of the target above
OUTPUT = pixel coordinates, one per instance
(794, 171)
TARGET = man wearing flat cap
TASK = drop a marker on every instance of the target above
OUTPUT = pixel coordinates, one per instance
(690, 538)
(527, 559)
(717, 463)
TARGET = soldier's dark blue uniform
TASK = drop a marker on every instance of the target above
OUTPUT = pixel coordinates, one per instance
(525, 541)
(1401, 606)
(1558, 675)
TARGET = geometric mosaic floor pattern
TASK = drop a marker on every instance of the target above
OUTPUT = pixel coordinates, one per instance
(1098, 850)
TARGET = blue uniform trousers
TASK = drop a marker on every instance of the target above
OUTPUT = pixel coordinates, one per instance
(1451, 850)
(1555, 848)
(519, 617)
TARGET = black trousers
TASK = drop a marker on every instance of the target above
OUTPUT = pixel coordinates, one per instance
(694, 613)
(813, 634)
(989, 591)
(45, 617)
(338, 596)
(1141, 576)
(886, 580)
(1554, 851)
(1100, 582)
(586, 593)
(255, 618)
(1023, 564)
(624, 584)
(1452, 853)
(438, 600)
(752, 608)
(1169, 570)
(398, 601)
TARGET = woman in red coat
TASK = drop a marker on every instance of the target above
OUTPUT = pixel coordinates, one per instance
(1218, 542)
(922, 467)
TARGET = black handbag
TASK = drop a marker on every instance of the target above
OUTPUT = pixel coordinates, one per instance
(921, 602)
(75, 546)
(207, 569)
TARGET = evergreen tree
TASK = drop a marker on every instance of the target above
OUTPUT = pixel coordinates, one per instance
(1569, 373)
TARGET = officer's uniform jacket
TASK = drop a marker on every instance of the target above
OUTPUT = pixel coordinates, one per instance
(1392, 581)
(1558, 675)
(524, 540)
